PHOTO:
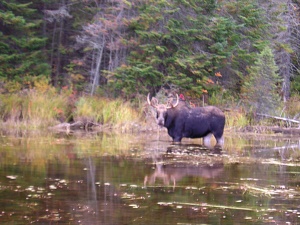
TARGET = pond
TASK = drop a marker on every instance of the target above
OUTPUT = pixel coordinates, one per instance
(145, 179)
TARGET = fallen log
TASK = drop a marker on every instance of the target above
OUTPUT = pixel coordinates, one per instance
(279, 118)
(287, 130)
(78, 125)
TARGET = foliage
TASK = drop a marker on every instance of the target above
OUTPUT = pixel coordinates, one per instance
(259, 91)
(187, 43)
(130, 48)
(21, 43)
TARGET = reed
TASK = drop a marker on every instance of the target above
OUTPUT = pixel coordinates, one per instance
(11, 107)
(292, 107)
(32, 109)
(45, 109)
(236, 119)
(88, 108)
(113, 112)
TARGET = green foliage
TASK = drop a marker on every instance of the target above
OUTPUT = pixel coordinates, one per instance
(21, 45)
(146, 45)
(185, 43)
(260, 90)
(136, 78)
(295, 86)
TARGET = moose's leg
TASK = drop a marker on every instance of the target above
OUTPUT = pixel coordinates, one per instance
(206, 140)
(218, 134)
(177, 139)
(220, 141)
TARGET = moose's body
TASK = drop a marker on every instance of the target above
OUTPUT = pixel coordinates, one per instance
(182, 121)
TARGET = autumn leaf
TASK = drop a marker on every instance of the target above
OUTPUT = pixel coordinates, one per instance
(218, 74)
(210, 81)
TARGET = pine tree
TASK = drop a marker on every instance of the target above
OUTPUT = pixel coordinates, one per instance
(260, 92)
(185, 43)
(21, 47)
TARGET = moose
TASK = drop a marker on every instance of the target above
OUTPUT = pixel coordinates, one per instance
(183, 121)
(171, 173)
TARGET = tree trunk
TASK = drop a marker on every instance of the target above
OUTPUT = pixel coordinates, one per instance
(96, 72)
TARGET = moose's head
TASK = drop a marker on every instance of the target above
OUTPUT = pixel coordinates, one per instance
(162, 109)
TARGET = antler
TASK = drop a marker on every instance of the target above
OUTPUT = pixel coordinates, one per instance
(173, 106)
(152, 102)
(148, 99)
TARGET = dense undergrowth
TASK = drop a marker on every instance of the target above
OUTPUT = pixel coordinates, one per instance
(33, 109)
(36, 110)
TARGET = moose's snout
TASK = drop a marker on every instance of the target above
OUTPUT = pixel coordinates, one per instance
(160, 122)
(160, 119)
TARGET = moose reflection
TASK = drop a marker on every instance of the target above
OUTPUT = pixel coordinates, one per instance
(172, 173)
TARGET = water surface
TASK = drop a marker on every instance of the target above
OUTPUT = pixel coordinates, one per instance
(145, 179)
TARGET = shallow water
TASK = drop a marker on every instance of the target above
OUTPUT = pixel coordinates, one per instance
(145, 179)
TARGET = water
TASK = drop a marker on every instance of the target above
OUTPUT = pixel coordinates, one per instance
(145, 179)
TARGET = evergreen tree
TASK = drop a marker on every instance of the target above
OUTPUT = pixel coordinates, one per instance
(187, 43)
(260, 92)
(21, 45)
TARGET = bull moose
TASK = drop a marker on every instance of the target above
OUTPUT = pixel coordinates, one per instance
(183, 121)
(174, 173)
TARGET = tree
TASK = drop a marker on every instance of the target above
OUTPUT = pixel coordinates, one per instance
(187, 43)
(103, 40)
(283, 24)
(260, 92)
(21, 43)
(57, 21)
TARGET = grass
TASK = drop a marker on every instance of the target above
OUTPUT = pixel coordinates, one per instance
(35, 110)
(114, 112)
(236, 119)
(32, 109)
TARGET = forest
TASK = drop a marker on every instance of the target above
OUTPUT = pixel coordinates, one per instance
(237, 54)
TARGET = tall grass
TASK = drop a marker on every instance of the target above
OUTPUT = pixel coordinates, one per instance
(35, 109)
(105, 111)
(32, 109)
(293, 107)
(236, 119)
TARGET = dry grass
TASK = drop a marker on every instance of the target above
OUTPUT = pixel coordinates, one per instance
(114, 112)
(33, 110)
